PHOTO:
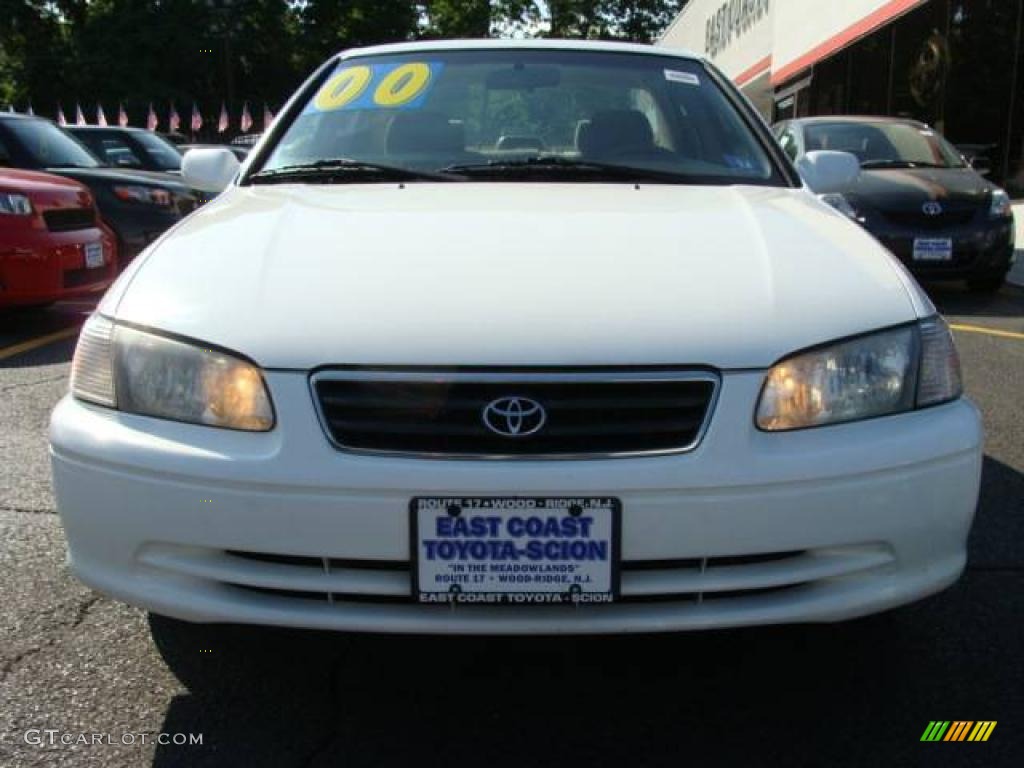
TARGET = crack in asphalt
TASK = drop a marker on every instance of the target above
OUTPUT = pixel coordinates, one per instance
(35, 382)
(81, 611)
(28, 510)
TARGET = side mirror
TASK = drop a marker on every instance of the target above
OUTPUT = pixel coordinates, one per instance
(826, 171)
(209, 170)
(981, 164)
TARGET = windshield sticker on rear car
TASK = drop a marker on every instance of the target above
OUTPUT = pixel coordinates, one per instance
(675, 76)
(402, 85)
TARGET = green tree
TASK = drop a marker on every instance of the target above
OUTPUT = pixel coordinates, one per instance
(33, 52)
(457, 18)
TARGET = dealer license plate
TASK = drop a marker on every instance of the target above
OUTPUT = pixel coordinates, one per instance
(515, 550)
(933, 249)
(93, 255)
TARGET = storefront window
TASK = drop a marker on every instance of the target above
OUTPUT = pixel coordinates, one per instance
(870, 74)
(957, 65)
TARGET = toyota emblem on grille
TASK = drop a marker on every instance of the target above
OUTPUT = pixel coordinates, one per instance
(931, 208)
(514, 416)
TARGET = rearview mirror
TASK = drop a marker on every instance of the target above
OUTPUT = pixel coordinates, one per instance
(523, 78)
(209, 170)
(827, 171)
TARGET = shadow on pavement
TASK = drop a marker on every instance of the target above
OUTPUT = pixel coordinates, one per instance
(955, 299)
(998, 530)
(18, 326)
(857, 693)
(52, 354)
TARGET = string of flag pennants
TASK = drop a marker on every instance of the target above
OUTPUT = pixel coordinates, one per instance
(173, 123)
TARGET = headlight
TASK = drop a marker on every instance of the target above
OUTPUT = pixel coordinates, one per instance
(882, 373)
(12, 204)
(152, 375)
(1000, 206)
(840, 203)
(144, 196)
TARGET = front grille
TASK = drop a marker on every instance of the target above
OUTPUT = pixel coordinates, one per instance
(442, 414)
(916, 219)
(69, 219)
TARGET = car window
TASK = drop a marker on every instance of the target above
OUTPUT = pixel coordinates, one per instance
(431, 110)
(49, 146)
(164, 155)
(111, 148)
(884, 143)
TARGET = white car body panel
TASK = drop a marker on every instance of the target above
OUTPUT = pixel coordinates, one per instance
(441, 274)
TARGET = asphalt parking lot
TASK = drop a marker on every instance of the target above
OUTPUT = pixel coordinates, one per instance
(856, 694)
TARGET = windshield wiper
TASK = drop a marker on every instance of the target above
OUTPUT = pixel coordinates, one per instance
(555, 165)
(343, 169)
(899, 164)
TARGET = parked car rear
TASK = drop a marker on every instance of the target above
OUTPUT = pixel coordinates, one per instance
(137, 205)
(52, 243)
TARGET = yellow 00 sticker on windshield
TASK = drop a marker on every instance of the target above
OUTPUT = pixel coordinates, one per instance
(395, 85)
(342, 88)
(402, 84)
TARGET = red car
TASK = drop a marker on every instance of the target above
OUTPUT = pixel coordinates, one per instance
(52, 243)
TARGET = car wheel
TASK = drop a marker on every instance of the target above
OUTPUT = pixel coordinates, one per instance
(986, 283)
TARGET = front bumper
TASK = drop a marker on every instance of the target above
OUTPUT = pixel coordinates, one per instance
(980, 248)
(750, 528)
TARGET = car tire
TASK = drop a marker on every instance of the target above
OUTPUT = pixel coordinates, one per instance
(986, 283)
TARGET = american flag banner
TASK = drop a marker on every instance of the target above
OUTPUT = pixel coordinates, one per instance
(30, 111)
(197, 119)
(101, 119)
(79, 117)
(268, 117)
(122, 116)
(61, 120)
(152, 121)
(174, 119)
(246, 122)
(223, 121)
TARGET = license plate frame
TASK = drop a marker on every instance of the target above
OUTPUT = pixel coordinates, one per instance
(933, 249)
(590, 580)
(93, 255)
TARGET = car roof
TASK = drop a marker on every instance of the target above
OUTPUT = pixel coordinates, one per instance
(853, 119)
(520, 45)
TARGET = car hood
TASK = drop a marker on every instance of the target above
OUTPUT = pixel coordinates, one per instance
(907, 189)
(118, 176)
(514, 274)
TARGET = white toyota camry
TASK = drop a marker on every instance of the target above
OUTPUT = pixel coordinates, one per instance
(516, 337)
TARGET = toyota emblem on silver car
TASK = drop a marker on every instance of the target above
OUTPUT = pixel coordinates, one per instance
(514, 416)
(932, 208)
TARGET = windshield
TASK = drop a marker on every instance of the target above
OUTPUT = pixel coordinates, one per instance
(49, 146)
(470, 111)
(884, 144)
(164, 155)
